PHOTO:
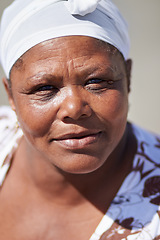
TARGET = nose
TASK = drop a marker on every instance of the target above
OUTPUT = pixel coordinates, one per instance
(74, 105)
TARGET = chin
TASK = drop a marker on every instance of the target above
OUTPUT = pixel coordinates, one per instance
(82, 165)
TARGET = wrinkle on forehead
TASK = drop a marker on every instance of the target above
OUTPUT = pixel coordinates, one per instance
(64, 51)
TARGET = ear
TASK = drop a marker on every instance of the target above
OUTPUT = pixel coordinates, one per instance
(128, 71)
(8, 89)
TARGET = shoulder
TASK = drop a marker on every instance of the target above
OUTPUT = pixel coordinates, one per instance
(6, 115)
(148, 143)
(9, 137)
(7, 124)
(8, 129)
(144, 135)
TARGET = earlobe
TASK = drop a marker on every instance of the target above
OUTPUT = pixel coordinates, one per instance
(128, 70)
(8, 89)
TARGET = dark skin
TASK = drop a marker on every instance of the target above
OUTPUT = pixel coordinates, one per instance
(71, 98)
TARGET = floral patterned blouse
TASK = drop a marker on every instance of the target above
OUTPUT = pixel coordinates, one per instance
(135, 211)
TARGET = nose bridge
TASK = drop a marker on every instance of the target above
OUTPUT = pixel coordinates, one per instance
(74, 104)
(73, 99)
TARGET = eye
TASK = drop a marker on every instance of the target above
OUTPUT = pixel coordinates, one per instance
(99, 84)
(44, 92)
(45, 88)
(100, 81)
(92, 81)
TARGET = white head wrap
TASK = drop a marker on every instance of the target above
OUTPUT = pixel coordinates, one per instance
(25, 23)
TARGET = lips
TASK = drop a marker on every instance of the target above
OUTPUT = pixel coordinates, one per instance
(79, 140)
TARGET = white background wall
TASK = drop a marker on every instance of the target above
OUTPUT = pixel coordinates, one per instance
(143, 18)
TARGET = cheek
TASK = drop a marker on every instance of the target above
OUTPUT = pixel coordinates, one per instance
(112, 110)
(112, 107)
(35, 120)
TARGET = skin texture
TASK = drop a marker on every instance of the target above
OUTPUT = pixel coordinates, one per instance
(71, 103)
(70, 95)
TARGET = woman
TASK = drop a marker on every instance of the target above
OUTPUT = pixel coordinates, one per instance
(72, 168)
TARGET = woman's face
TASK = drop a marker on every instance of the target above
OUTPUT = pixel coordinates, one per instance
(71, 98)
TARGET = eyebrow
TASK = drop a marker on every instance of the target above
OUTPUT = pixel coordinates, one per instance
(41, 76)
(90, 70)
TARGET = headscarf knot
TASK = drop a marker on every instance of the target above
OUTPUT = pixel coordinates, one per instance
(81, 7)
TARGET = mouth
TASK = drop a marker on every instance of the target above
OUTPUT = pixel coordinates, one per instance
(78, 141)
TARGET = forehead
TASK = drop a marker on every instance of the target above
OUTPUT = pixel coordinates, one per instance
(67, 49)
